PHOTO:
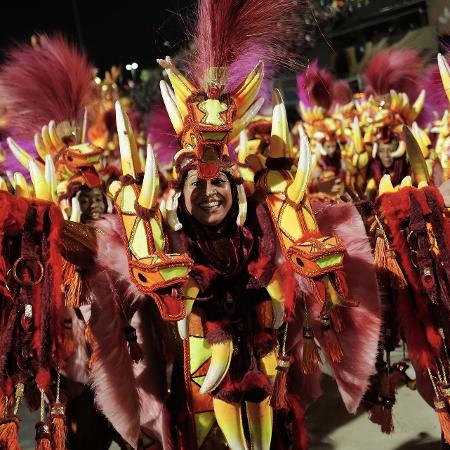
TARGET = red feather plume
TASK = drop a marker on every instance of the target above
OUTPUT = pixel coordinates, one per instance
(400, 70)
(238, 33)
(52, 82)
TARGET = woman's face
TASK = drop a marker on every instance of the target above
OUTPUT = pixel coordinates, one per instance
(385, 151)
(209, 201)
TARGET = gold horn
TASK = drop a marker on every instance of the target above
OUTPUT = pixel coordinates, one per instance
(357, 140)
(41, 187)
(128, 148)
(171, 107)
(21, 155)
(280, 140)
(218, 368)
(21, 185)
(240, 124)
(297, 188)
(182, 87)
(150, 184)
(444, 70)
(245, 94)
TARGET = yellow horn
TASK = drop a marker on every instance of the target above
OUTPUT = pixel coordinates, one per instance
(171, 107)
(385, 185)
(56, 140)
(246, 93)
(20, 154)
(182, 87)
(22, 189)
(46, 139)
(406, 182)
(128, 148)
(240, 124)
(418, 104)
(150, 184)
(50, 176)
(40, 147)
(75, 214)
(280, 140)
(41, 187)
(444, 70)
(218, 368)
(3, 185)
(297, 188)
(357, 140)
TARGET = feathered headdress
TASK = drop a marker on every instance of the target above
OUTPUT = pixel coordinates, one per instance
(50, 82)
(47, 89)
(231, 39)
(398, 70)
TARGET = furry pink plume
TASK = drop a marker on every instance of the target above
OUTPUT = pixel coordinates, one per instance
(359, 338)
(342, 93)
(436, 99)
(131, 395)
(317, 87)
(53, 82)
(401, 70)
(239, 33)
(161, 134)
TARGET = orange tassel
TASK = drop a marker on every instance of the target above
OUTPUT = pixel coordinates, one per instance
(394, 270)
(72, 285)
(43, 436)
(58, 427)
(278, 400)
(331, 344)
(9, 429)
(311, 362)
(444, 418)
(380, 253)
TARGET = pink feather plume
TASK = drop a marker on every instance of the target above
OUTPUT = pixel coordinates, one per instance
(238, 33)
(401, 70)
(129, 394)
(359, 338)
(162, 137)
(53, 82)
(436, 99)
(317, 87)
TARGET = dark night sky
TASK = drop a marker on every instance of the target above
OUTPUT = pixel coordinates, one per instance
(112, 32)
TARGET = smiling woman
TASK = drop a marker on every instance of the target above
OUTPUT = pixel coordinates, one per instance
(209, 201)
